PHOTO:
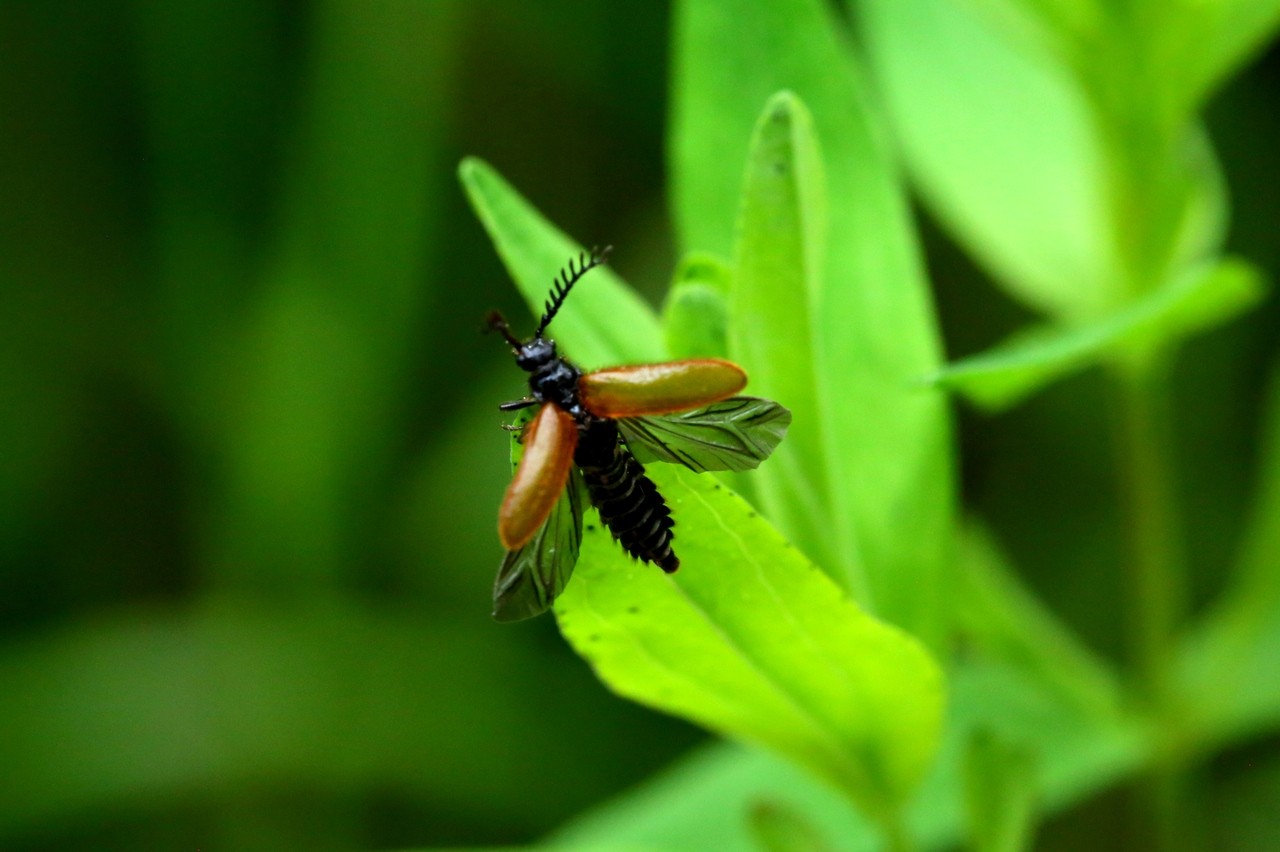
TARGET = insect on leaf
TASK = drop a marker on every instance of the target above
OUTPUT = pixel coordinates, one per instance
(733, 434)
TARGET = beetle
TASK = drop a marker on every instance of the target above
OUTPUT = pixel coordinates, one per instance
(588, 440)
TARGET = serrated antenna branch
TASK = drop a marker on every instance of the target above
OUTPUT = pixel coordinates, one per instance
(586, 261)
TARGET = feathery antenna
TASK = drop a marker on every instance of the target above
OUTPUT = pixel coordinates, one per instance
(562, 285)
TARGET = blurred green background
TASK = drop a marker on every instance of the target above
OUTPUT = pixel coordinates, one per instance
(249, 451)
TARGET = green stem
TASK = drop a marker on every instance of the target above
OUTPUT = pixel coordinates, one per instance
(1155, 563)
(1156, 580)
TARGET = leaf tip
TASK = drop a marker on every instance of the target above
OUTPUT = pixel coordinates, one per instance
(472, 171)
(781, 104)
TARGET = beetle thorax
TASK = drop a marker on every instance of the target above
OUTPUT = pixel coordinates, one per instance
(551, 378)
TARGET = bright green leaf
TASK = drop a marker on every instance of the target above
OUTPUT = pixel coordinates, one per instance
(1196, 44)
(1037, 198)
(1026, 195)
(1208, 41)
(1201, 299)
(751, 640)
(778, 260)
(606, 322)
(1057, 24)
(888, 454)
(696, 315)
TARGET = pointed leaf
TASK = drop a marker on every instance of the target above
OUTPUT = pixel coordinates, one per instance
(605, 322)
(778, 259)
(887, 445)
(751, 641)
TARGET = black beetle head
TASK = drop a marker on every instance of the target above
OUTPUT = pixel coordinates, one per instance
(535, 353)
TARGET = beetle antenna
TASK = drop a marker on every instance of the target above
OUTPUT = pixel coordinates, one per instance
(561, 286)
(497, 323)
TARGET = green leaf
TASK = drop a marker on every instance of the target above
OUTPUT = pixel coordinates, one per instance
(1196, 45)
(778, 262)
(1205, 43)
(1072, 206)
(1200, 299)
(704, 795)
(1056, 23)
(1077, 756)
(887, 455)
(696, 314)
(750, 640)
(606, 322)
(1026, 196)
(1000, 793)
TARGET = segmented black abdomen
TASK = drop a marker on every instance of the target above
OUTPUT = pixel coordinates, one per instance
(628, 501)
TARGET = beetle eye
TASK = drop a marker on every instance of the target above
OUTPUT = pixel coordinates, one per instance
(535, 353)
(528, 357)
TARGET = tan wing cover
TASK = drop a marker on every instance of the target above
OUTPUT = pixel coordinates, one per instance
(549, 442)
(659, 388)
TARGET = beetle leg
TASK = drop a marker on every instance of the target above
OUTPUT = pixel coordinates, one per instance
(517, 404)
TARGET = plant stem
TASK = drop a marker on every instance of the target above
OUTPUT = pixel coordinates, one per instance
(1156, 580)
(1155, 564)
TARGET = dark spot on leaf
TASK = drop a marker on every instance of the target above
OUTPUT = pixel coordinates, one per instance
(751, 514)
(633, 609)
(591, 527)
(594, 637)
(718, 486)
(779, 167)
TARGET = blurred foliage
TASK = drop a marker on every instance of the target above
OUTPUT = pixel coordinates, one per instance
(250, 461)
